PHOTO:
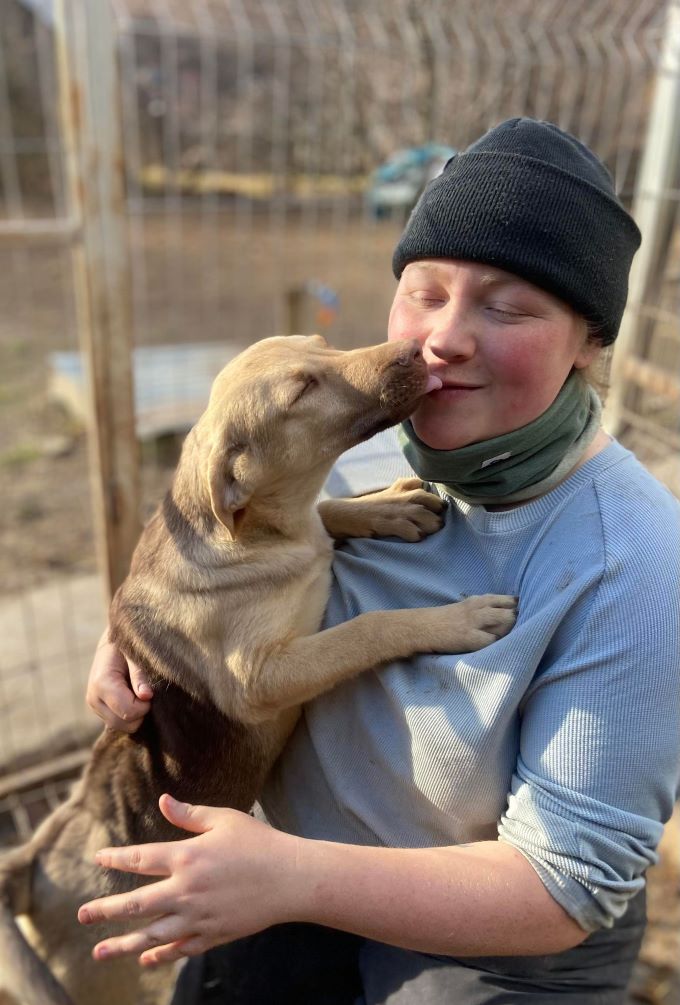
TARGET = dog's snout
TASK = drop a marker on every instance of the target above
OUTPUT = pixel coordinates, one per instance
(409, 353)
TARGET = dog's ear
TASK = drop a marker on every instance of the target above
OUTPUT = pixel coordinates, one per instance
(231, 482)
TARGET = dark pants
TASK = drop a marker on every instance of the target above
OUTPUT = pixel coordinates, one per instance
(311, 965)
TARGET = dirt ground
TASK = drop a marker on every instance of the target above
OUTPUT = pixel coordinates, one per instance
(197, 278)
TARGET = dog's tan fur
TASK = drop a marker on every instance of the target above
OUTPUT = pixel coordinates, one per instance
(222, 607)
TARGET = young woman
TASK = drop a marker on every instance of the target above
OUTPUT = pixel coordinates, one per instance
(471, 828)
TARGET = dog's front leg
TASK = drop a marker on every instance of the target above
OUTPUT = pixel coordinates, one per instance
(403, 510)
(309, 665)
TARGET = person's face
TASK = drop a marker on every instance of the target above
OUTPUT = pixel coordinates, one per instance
(501, 346)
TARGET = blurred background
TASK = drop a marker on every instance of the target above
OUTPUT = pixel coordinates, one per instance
(179, 178)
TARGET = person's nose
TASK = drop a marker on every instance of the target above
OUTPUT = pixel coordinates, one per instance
(452, 339)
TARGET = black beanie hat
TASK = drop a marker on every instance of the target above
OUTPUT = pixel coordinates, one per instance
(529, 198)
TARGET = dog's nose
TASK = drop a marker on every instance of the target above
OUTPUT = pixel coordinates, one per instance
(409, 353)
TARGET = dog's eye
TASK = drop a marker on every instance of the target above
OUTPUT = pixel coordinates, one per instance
(307, 382)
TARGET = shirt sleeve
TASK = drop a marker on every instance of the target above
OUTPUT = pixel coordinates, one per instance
(597, 773)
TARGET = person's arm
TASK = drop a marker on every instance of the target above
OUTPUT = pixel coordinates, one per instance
(597, 769)
(239, 876)
(117, 690)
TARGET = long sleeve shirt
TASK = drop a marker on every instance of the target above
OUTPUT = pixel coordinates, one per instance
(563, 738)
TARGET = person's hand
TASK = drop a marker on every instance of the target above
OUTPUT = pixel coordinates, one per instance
(117, 690)
(236, 877)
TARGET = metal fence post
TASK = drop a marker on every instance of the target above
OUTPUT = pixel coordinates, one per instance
(657, 176)
(85, 37)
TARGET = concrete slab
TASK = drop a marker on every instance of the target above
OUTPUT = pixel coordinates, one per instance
(172, 384)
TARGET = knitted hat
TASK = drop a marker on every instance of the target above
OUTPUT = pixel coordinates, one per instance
(529, 198)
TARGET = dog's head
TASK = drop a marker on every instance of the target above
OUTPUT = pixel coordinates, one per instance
(285, 409)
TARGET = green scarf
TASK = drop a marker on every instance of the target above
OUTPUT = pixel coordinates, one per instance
(518, 465)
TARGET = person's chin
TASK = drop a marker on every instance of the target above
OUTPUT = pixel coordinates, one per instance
(439, 429)
(441, 439)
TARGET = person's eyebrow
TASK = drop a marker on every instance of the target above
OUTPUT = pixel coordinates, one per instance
(424, 266)
(487, 279)
(497, 279)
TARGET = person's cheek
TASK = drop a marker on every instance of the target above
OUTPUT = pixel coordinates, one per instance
(403, 323)
(528, 374)
(513, 370)
(518, 361)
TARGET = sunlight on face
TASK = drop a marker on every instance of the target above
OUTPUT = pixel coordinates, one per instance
(502, 347)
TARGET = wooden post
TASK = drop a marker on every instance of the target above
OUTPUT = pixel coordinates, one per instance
(295, 301)
(90, 124)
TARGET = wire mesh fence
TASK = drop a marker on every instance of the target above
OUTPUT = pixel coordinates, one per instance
(271, 152)
(51, 604)
(265, 122)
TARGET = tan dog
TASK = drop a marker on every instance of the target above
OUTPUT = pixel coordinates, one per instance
(222, 608)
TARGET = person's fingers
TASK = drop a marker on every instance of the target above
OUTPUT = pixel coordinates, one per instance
(154, 859)
(109, 691)
(197, 819)
(129, 726)
(118, 692)
(173, 951)
(140, 684)
(114, 688)
(113, 721)
(121, 710)
(160, 933)
(104, 639)
(149, 901)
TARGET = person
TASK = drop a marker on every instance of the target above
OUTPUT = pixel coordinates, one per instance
(472, 828)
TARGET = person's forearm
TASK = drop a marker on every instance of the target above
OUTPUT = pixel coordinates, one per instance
(483, 899)
(237, 875)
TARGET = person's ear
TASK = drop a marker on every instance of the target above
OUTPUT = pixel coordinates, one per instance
(587, 354)
(589, 349)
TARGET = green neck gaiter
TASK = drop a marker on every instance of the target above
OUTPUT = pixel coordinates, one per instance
(518, 465)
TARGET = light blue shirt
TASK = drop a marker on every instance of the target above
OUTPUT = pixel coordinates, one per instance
(562, 739)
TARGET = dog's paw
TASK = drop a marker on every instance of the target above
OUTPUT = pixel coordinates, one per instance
(470, 624)
(403, 510)
(408, 511)
(487, 618)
